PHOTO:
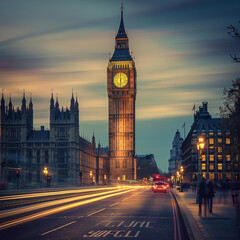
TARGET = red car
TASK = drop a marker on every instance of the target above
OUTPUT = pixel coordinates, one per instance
(160, 187)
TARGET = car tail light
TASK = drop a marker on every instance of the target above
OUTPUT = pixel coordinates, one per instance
(164, 187)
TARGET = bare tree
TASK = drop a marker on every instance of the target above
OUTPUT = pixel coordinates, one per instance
(231, 104)
(234, 33)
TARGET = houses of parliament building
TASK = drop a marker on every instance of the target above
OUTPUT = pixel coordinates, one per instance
(60, 154)
(69, 159)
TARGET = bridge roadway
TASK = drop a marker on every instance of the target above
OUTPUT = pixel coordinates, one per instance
(118, 213)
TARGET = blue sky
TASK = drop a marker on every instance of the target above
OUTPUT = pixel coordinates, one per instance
(181, 50)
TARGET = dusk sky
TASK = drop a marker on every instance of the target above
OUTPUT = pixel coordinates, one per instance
(181, 50)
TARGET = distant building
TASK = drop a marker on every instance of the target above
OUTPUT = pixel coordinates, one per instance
(70, 159)
(146, 166)
(175, 160)
(217, 161)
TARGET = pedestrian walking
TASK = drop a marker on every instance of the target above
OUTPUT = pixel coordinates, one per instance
(210, 196)
(203, 196)
(234, 192)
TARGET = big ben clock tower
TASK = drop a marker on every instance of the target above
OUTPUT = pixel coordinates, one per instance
(121, 88)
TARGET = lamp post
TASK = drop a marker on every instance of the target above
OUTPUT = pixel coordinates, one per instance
(177, 180)
(181, 177)
(200, 147)
(181, 169)
(91, 177)
(45, 172)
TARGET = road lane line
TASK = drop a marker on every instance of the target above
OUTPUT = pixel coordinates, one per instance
(55, 229)
(177, 234)
(178, 225)
(114, 204)
(178, 231)
(174, 220)
(90, 212)
(96, 212)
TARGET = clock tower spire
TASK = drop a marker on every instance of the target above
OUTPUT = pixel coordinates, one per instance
(121, 88)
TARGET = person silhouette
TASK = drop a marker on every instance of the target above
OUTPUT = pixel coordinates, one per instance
(210, 195)
(202, 196)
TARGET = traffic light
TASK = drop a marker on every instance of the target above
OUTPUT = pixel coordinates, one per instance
(17, 173)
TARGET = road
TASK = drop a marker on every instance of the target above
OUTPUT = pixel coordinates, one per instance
(135, 213)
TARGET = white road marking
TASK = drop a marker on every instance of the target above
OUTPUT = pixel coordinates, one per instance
(96, 212)
(55, 229)
(114, 204)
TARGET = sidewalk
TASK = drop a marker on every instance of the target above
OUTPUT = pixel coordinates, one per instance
(221, 224)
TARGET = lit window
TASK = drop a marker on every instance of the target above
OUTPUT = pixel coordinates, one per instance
(219, 157)
(211, 166)
(211, 147)
(211, 140)
(227, 140)
(219, 166)
(228, 176)
(211, 176)
(211, 158)
(219, 149)
(228, 158)
(203, 158)
(211, 133)
(203, 166)
(219, 140)
(123, 177)
(236, 157)
(219, 133)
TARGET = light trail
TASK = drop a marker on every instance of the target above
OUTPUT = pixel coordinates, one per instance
(55, 193)
(8, 213)
(58, 209)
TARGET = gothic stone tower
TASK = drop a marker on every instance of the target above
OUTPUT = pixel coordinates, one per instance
(121, 88)
(64, 138)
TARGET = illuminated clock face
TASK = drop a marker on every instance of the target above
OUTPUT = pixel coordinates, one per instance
(120, 80)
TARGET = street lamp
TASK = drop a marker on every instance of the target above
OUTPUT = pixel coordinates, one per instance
(181, 177)
(45, 171)
(200, 147)
(91, 175)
